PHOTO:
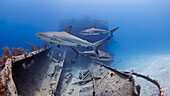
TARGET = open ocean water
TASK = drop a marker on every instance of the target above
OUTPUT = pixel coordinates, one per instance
(144, 26)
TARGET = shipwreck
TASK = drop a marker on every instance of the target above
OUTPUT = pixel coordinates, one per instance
(38, 73)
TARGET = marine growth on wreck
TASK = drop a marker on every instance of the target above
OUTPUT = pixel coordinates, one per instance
(84, 48)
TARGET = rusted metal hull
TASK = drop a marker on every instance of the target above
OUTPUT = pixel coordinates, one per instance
(99, 81)
(34, 74)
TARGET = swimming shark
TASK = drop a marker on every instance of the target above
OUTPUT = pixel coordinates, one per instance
(95, 31)
(65, 38)
(92, 54)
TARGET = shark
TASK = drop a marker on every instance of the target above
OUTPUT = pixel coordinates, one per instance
(92, 54)
(67, 39)
(95, 31)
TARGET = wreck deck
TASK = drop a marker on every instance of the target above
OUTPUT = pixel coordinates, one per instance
(98, 81)
(34, 74)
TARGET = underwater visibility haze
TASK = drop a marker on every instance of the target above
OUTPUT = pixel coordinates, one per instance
(140, 41)
(143, 24)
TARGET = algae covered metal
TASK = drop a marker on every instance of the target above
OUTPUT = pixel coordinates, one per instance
(34, 74)
(98, 80)
(38, 73)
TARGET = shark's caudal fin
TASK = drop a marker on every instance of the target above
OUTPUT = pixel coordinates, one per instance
(111, 32)
(68, 29)
(77, 52)
(98, 43)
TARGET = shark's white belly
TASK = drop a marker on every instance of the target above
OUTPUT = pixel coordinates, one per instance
(96, 33)
(70, 40)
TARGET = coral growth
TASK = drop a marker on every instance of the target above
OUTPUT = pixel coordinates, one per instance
(3, 88)
(7, 51)
(7, 54)
(18, 51)
(11, 54)
(33, 48)
(46, 45)
(4, 78)
(37, 46)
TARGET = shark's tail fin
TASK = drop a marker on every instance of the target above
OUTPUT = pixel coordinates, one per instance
(98, 43)
(76, 51)
(113, 30)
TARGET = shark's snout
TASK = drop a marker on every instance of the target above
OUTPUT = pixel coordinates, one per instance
(37, 34)
(111, 58)
(41, 35)
(81, 32)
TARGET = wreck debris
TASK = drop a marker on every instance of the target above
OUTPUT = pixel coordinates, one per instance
(18, 51)
(97, 84)
(91, 82)
(102, 80)
(50, 83)
(161, 91)
(7, 85)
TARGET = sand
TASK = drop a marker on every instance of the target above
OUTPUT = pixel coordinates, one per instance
(155, 66)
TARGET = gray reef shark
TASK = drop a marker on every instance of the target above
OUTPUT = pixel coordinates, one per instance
(92, 54)
(65, 38)
(95, 31)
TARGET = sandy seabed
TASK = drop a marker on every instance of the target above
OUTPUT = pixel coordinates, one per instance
(155, 66)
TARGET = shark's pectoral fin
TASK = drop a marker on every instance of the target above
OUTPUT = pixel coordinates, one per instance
(57, 45)
(97, 52)
(112, 31)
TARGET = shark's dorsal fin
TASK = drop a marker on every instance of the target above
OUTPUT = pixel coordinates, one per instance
(68, 29)
(94, 26)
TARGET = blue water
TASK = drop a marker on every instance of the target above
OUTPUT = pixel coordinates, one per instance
(144, 24)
